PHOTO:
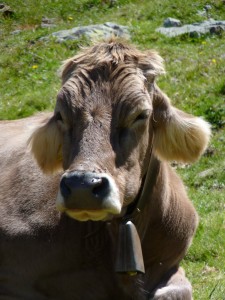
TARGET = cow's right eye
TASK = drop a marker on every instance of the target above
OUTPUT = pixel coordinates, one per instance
(141, 118)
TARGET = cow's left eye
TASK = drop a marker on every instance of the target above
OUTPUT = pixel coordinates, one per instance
(141, 117)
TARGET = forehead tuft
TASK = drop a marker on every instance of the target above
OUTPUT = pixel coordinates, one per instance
(110, 55)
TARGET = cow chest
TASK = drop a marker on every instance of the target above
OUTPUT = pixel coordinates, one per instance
(72, 260)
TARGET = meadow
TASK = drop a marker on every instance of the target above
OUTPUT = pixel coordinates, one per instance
(195, 82)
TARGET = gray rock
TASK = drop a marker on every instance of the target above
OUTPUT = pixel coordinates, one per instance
(6, 10)
(105, 30)
(47, 23)
(202, 13)
(171, 22)
(194, 30)
(15, 32)
(205, 11)
(206, 173)
(208, 7)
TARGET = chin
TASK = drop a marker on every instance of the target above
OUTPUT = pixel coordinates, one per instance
(89, 215)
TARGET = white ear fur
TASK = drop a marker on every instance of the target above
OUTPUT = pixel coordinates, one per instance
(45, 145)
(152, 65)
(182, 137)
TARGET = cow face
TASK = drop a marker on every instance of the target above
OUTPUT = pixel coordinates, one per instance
(101, 133)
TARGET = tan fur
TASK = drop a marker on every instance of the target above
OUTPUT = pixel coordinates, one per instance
(114, 53)
(100, 136)
(46, 146)
(182, 137)
(178, 136)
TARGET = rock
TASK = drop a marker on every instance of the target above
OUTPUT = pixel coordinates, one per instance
(205, 11)
(209, 152)
(207, 7)
(202, 13)
(111, 3)
(206, 173)
(15, 32)
(6, 10)
(216, 29)
(194, 30)
(171, 22)
(105, 30)
(47, 23)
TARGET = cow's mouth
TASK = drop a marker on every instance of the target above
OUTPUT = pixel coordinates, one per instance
(85, 196)
(88, 215)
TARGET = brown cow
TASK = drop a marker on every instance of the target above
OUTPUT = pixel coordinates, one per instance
(105, 147)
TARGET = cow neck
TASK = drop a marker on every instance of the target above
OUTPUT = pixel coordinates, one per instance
(146, 190)
(129, 259)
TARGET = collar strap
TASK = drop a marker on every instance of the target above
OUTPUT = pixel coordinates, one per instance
(129, 259)
(146, 189)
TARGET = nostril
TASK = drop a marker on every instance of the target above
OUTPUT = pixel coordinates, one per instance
(64, 188)
(101, 187)
(83, 186)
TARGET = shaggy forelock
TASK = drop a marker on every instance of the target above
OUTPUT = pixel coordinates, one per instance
(101, 60)
(116, 70)
(123, 88)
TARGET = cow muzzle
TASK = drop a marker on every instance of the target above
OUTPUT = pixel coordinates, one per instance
(88, 196)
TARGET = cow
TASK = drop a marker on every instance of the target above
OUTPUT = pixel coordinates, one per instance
(70, 178)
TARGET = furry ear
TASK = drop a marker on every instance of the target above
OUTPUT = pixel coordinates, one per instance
(151, 63)
(178, 136)
(46, 146)
(67, 69)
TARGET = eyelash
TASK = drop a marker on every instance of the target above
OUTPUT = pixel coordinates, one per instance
(141, 117)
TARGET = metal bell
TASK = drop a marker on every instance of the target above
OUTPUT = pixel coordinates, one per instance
(129, 253)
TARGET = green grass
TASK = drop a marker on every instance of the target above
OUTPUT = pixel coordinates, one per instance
(194, 81)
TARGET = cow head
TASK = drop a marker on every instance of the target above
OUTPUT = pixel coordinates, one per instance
(107, 111)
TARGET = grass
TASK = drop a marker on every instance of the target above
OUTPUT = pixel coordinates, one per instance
(194, 81)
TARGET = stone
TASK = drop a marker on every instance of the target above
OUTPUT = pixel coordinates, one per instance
(202, 13)
(171, 22)
(208, 7)
(15, 32)
(99, 31)
(206, 173)
(205, 11)
(47, 23)
(194, 30)
(6, 10)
